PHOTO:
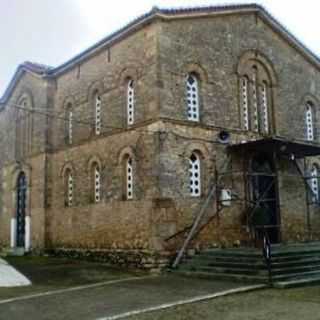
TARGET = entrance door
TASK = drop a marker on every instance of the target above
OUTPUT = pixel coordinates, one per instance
(264, 198)
(21, 209)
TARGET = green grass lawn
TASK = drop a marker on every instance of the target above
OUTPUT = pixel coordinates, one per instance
(47, 273)
(271, 304)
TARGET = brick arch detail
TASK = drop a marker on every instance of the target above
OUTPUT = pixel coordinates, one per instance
(260, 58)
(196, 68)
(128, 72)
(92, 161)
(197, 147)
(127, 151)
(96, 86)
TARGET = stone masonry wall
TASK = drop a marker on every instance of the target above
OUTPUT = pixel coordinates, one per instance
(158, 58)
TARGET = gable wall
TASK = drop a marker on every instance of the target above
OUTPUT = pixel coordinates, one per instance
(216, 44)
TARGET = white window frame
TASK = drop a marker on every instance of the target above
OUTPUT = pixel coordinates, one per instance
(315, 182)
(70, 188)
(97, 183)
(309, 122)
(195, 175)
(192, 97)
(97, 101)
(129, 178)
(130, 102)
(265, 107)
(70, 126)
(255, 100)
(245, 102)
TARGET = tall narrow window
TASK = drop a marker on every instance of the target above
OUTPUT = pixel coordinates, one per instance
(264, 107)
(315, 183)
(129, 178)
(194, 175)
(97, 183)
(97, 100)
(69, 187)
(130, 102)
(255, 100)
(256, 82)
(69, 124)
(244, 102)
(192, 97)
(23, 128)
(309, 122)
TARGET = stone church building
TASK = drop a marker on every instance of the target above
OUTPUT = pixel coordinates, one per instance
(210, 112)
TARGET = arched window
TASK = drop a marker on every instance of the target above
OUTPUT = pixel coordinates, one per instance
(24, 127)
(264, 106)
(69, 124)
(245, 102)
(315, 183)
(96, 175)
(97, 104)
(195, 175)
(192, 91)
(255, 99)
(130, 102)
(69, 188)
(256, 82)
(129, 177)
(309, 121)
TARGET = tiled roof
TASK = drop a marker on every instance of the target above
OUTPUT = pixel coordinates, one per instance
(164, 12)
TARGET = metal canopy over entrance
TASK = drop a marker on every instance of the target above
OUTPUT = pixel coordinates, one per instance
(272, 149)
(278, 146)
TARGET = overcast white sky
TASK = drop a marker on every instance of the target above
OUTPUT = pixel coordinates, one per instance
(52, 31)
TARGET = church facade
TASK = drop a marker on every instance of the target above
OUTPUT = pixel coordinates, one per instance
(115, 152)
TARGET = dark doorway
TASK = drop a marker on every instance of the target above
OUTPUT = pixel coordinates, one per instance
(264, 198)
(21, 209)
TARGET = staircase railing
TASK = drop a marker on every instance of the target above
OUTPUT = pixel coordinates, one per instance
(198, 220)
(266, 251)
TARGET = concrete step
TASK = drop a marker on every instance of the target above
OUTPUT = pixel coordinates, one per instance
(301, 251)
(290, 270)
(295, 245)
(299, 275)
(289, 258)
(299, 262)
(297, 282)
(205, 257)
